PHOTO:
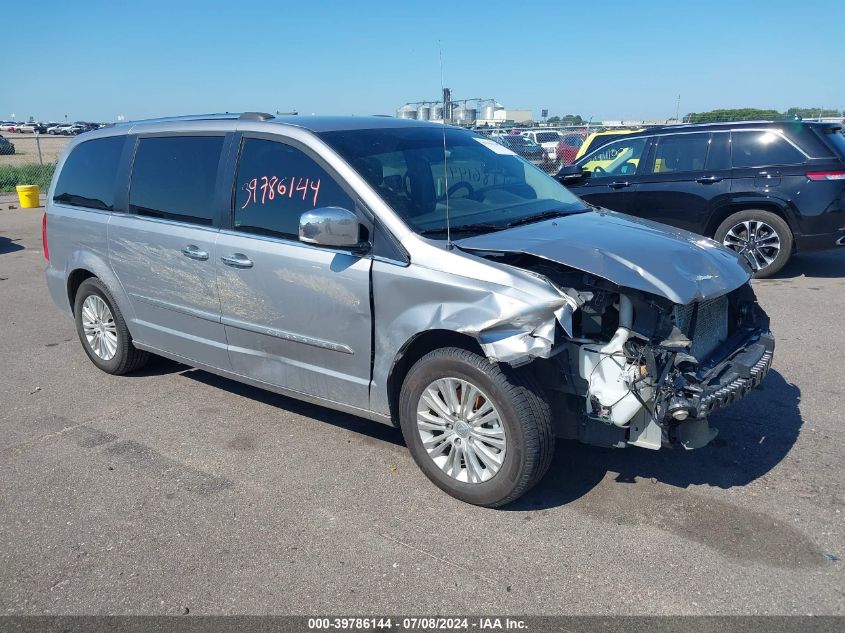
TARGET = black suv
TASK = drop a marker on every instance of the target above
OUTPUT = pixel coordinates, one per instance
(765, 189)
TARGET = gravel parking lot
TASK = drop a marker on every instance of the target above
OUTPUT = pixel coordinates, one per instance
(174, 489)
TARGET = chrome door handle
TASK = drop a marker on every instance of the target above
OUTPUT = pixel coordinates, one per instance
(619, 185)
(706, 180)
(237, 260)
(195, 252)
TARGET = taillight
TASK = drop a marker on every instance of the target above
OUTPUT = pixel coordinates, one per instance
(826, 175)
(44, 238)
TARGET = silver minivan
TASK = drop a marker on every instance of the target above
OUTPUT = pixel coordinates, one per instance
(411, 273)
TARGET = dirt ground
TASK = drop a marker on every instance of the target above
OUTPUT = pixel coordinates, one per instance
(26, 148)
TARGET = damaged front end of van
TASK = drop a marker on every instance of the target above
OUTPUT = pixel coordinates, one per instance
(632, 353)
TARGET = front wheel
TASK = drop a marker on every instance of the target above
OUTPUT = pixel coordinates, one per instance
(761, 237)
(482, 432)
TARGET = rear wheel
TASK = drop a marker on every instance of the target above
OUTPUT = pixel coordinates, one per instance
(761, 237)
(482, 432)
(103, 331)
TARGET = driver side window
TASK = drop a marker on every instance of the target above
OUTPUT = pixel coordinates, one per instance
(276, 184)
(619, 158)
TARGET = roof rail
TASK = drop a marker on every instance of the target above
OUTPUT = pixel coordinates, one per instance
(217, 116)
(256, 116)
(186, 117)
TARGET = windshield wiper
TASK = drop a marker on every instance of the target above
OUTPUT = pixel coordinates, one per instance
(465, 228)
(545, 215)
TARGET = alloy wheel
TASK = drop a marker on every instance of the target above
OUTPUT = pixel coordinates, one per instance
(461, 430)
(99, 327)
(756, 240)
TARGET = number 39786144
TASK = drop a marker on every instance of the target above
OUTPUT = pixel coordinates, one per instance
(268, 188)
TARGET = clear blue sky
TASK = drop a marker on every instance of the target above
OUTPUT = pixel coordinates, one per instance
(606, 59)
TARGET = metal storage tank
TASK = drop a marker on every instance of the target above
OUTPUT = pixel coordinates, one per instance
(489, 110)
(463, 115)
(436, 113)
(423, 113)
(407, 111)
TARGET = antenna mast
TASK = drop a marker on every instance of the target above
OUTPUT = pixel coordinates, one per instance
(445, 169)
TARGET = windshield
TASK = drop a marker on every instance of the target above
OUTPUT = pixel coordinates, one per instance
(489, 187)
(547, 137)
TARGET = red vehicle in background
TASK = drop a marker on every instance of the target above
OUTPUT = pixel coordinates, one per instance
(567, 147)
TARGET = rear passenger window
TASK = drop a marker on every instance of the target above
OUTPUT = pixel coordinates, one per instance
(89, 175)
(757, 149)
(276, 184)
(173, 177)
(680, 152)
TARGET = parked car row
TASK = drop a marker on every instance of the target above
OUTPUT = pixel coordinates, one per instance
(562, 147)
(59, 129)
(525, 147)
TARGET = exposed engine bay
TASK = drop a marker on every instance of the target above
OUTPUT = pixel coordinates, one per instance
(631, 367)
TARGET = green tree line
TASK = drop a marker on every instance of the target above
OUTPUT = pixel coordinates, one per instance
(745, 114)
(569, 119)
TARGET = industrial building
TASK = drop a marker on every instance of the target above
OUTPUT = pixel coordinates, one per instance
(474, 112)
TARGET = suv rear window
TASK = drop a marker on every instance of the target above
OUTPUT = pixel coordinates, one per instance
(547, 137)
(88, 176)
(173, 177)
(758, 149)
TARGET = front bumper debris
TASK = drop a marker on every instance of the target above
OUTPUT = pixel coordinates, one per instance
(726, 382)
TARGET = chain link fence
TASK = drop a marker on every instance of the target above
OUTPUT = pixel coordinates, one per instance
(28, 159)
(550, 148)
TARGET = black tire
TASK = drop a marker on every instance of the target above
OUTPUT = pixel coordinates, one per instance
(127, 358)
(777, 223)
(524, 411)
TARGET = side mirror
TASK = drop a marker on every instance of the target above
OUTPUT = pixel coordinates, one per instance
(331, 226)
(570, 173)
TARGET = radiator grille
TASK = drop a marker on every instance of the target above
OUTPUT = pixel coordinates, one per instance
(711, 324)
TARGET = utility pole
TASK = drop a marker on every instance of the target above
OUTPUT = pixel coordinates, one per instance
(678, 110)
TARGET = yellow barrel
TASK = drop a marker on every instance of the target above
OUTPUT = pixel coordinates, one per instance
(28, 195)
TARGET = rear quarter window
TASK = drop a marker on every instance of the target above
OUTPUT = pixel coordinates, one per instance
(837, 141)
(761, 148)
(88, 177)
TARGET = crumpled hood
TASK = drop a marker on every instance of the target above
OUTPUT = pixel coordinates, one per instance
(628, 251)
